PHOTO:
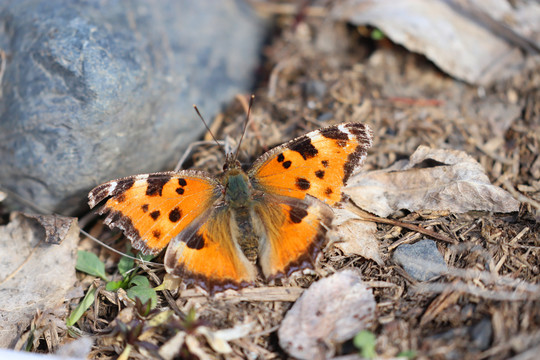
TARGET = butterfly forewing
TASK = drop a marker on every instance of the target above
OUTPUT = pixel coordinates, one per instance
(152, 209)
(318, 163)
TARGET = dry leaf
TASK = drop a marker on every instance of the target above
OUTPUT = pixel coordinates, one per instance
(217, 343)
(170, 349)
(357, 237)
(33, 273)
(56, 227)
(236, 332)
(194, 347)
(331, 311)
(442, 29)
(432, 179)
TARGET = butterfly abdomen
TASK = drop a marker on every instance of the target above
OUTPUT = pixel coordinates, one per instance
(247, 239)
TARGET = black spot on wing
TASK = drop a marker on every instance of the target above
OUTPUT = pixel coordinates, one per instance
(333, 132)
(123, 186)
(359, 130)
(328, 191)
(155, 185)
(303, 184)
(182, 182)
(280, 157)
(324, 163)
(144, 208)
(304, 147)
(196, 242)
(287, 164)
(297, 214)
(175, 214)
(156, 233)
(155, 214)
(319, 174)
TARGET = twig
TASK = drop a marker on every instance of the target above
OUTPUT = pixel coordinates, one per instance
(364, 215)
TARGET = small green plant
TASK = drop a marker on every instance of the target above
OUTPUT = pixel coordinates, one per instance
(409, 354)
(377, 35)
(89, 263)
(136, 286)
(82, 307)
(365, 342)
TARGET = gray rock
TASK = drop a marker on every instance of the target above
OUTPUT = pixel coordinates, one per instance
(97, 90)
(422, 260)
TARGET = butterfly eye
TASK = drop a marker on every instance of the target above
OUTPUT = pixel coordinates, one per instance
(226, 166)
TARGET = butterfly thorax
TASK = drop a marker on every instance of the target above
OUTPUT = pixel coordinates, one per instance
(237, 188)
(239, 198)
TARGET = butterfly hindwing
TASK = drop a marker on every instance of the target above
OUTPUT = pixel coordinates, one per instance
(151, 209)
(318, 163)
(293, 233)
(206, 253)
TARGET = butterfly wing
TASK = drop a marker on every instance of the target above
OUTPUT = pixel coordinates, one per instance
(317, 164)
(154, 209)
(293, 233)
(300, 179)
(151, 209)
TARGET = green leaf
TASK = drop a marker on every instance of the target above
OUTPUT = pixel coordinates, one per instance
(144, 293)
(114, 285)
(82, 307)
(147, 257)
(125, 264)
(409, 354)
(140, 280)
(365, 341)
(89, 263)
(377, 35)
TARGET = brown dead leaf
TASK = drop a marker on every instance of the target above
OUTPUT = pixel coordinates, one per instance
(357, 237)
(56, 227)
(432, 179)
(442, 29)
(331, 311)
(34, 275)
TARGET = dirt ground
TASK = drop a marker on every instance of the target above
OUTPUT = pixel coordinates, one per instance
(312, 76)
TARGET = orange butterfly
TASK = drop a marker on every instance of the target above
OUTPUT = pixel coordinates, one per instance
(218, 228)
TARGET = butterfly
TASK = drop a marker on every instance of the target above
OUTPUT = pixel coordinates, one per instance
(222, 231)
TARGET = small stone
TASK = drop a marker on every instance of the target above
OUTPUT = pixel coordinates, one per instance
(481, 334)
(422, 260)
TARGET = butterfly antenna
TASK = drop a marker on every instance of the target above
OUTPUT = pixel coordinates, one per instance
(208, 128)
(245, 127)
